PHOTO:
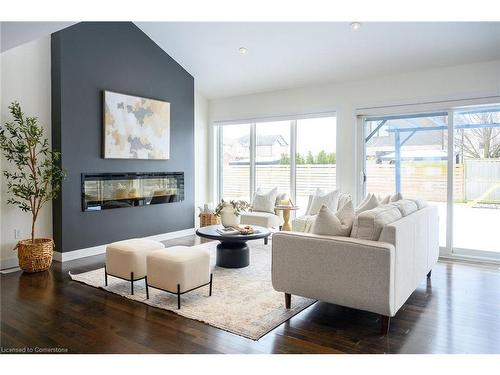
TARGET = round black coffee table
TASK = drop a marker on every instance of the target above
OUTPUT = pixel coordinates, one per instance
(233, 251)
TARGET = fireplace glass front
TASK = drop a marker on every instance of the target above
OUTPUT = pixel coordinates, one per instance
(116, 190)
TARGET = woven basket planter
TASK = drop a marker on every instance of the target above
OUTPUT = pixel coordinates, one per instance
(35, 257)
(208, 219)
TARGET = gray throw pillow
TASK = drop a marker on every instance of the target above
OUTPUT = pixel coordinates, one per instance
(329, 223)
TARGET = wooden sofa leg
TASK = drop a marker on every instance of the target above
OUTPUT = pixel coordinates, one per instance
(429, 274)
(288, 300)
(386, 322)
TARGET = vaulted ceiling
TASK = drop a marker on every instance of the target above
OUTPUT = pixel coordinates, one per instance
(284, 55)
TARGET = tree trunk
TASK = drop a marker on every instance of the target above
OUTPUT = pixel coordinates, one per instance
(33, 220)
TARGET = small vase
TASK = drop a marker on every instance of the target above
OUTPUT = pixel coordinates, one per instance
(228, 218)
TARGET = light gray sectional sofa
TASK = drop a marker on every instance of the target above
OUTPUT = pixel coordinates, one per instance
(372, 275)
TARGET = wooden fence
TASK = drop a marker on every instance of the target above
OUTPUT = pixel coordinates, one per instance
(424, 180)
(427, 180)
(482, 179)
(309, 177)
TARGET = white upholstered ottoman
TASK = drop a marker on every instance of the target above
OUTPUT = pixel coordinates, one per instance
(127, 259)
(178, 270)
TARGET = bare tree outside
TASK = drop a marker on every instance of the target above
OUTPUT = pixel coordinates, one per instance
(480, 143)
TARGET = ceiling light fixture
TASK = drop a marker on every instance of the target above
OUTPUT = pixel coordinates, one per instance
(243, 50)
(355, 26)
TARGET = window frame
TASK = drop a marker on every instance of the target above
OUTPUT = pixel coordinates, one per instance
(219, 126)
(450, 109)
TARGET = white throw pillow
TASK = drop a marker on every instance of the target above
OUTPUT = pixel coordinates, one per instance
(396, 197)
(367, 204)
(405, 206)
(303, 223)
(281, 197)
(367, 198)
(384, 200)
(309, 201)
(329, 223)
(369, 224)
(320, 198)
(419, 202)
(264, 202)
(344, 198)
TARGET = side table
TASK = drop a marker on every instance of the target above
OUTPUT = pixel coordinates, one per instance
(286, 215)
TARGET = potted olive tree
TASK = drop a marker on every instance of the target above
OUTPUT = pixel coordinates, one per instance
(35, 180)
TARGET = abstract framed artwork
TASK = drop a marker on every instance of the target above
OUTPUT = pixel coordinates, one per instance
(135, 127)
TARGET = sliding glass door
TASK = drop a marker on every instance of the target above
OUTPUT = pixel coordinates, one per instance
(452, 160)
(476, 203)
(408, 154)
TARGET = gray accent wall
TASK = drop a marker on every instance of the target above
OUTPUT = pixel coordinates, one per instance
(88, 58)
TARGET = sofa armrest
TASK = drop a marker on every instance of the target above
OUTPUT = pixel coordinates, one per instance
(416, 239)
(341, 270)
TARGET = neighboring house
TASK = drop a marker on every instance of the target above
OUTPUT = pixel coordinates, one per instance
(421, 144)
(268, 149)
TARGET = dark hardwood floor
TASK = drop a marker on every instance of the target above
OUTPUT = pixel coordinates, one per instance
(458, 311)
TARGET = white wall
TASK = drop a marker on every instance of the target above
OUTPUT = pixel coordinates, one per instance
(200, 152)
(25, 77)
(451, 83)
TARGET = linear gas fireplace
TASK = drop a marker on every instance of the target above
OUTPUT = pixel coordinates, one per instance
(116, 190)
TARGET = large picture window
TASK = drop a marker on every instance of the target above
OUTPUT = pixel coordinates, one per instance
(316, 158)
(235, 161)
(296, 156)
(272, 154)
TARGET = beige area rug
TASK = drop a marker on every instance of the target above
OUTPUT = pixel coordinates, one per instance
(243, 300)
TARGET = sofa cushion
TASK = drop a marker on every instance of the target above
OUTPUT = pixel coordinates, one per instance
(303, 223)
(368, 203)
(329, 223)
(405, 206)
(320, 198)
(419, 202)
(264, 201)
(369, 224)
(262, 219)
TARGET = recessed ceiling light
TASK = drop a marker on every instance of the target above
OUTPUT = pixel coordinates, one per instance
(355, 25)
(243, 50)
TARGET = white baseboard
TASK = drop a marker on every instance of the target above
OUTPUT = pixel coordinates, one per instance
(101, 249)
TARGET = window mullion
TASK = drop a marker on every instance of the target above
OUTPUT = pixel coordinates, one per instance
(252, 159)
(450, 182)
(220, 168)
(293, 153)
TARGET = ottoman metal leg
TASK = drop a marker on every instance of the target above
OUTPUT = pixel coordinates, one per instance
(105, 276)
(147, 290)
(210, 288)
(178, 296)
(132, 283)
